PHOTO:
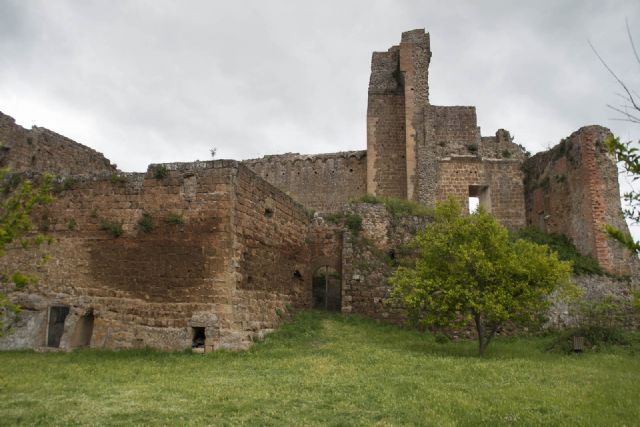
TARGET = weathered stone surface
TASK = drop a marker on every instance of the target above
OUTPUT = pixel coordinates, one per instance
(573, 189)
(322, 182)
(42, 150)
(214, 257)
(149, 259)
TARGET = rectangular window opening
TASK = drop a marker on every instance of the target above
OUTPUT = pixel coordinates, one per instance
(198, 337)
(479, 195)
(474, 202)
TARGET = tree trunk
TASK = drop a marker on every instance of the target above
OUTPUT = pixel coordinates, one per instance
(481, 339)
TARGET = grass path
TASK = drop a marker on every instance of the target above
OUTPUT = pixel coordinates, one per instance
(325, 370)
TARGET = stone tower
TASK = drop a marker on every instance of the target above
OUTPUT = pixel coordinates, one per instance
(398, 94)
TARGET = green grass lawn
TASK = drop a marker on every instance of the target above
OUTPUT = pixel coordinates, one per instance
(326, 369)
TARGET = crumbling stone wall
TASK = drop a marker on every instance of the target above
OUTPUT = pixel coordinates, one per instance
(371, 256)
(41, 150)
(398, 93)
(572, 189)
(497, 182)
(190, 269)
(322, 182)
(597, 289)
(426, 153)
(386, 156)
(271, 258)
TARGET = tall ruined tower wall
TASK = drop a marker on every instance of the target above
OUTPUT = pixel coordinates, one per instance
(573, 189)
(426, 153)
(398, 94)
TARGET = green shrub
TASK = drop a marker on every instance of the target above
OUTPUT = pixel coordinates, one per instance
(114, 228)
(174, 219)
(595, 337)
(160, 172)
(370, 198)
(401, 207)
(145, 223)
(354, 223)
(335, 218)
(118, 179)
(72, 224)
(564, 247)
(21, 280)
(69, 183)
(600, 323)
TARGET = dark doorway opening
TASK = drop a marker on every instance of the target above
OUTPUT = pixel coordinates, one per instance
(327, 289)
(199, 337)
(84, 331)
(57, 316)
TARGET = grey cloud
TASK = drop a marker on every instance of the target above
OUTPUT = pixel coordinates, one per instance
(165, 80)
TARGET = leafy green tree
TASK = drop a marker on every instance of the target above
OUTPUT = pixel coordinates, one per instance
(20, 197)
(469, 270)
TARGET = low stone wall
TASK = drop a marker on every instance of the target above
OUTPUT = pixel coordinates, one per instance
(371, 256)
(596, 289)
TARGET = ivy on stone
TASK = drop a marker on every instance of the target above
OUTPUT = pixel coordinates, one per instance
(21, 197)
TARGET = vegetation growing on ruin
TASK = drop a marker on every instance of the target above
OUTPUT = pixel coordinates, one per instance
(326, 369)
(114, 228)
(160, 172)
(601, 322)
(64, 184)
(21, 197)
(117, 179)
(145, 223)
(397, 207)
(353, 223)
(174, 219)
(563, 246)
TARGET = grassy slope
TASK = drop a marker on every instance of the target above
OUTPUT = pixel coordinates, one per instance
(325, 369)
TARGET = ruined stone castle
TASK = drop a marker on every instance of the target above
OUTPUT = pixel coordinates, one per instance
(213, 254)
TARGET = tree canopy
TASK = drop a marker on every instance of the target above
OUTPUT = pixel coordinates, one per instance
(469, 270)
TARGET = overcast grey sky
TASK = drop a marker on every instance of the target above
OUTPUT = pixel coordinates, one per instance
(152, 81)
(159, 81)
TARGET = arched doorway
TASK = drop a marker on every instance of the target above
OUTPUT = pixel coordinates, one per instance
(327, 289)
